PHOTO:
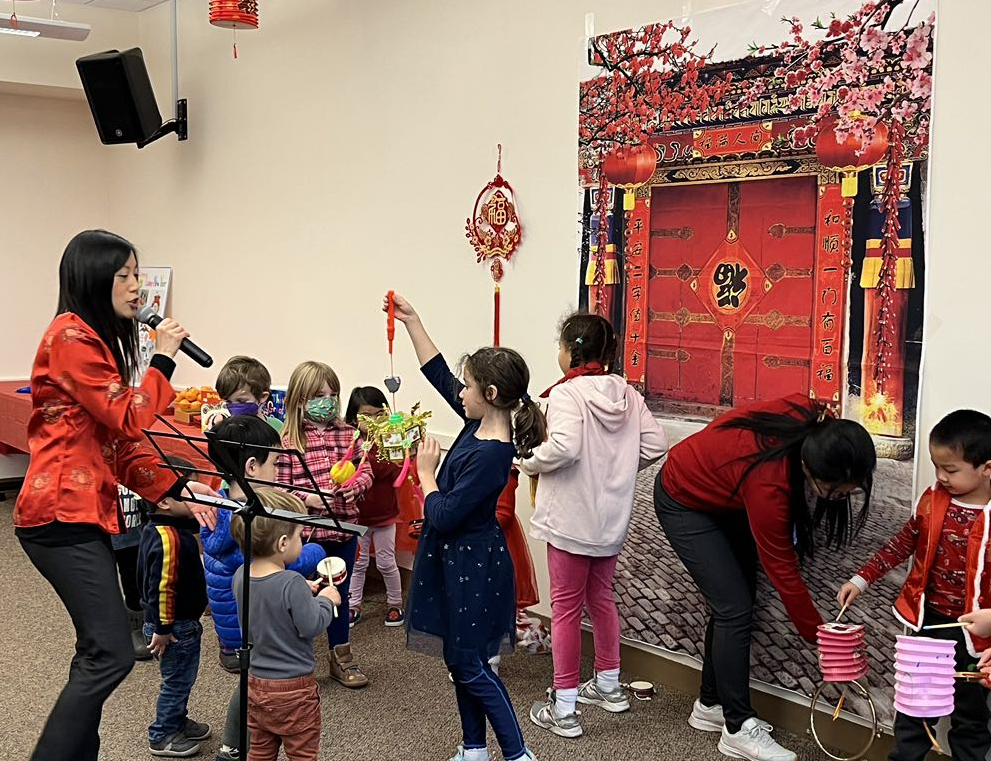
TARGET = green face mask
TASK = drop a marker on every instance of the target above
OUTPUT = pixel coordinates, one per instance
(322, 409)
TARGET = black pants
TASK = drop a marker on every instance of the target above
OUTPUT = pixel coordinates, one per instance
(127, 569)
(970, 739)
(85, 578)
(718, 551)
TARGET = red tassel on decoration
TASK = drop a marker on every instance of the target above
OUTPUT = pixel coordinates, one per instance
(497, 305)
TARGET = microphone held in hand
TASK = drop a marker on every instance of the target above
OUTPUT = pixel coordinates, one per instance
(147, 316)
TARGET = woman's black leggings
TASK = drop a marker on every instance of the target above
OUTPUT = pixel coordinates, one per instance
(718, 551)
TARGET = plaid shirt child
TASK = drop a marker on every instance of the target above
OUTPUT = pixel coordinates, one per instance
(323, 449)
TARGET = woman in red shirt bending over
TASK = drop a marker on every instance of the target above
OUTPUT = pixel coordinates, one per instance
(738, 491)
(85, 437)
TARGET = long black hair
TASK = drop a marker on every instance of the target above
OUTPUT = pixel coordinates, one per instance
(86, 283)
(363, 396)
(835, 451)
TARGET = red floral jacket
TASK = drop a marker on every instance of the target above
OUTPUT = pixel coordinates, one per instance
(84, 433)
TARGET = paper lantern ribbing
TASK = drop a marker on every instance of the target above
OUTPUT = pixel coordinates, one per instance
(234, 14)
(924, 676)
(841, 652)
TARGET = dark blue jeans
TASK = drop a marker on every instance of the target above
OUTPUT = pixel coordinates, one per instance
(482, 695)
(179, 666)
(339, 632)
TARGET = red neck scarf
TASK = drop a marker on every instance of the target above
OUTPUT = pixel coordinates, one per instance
(592, 368)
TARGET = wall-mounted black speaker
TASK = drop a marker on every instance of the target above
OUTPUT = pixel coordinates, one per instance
(120, 96)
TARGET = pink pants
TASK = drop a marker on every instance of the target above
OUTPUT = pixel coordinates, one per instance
(578, 582)
(384, 539)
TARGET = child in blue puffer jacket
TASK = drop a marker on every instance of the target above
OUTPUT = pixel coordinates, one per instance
(221, 554)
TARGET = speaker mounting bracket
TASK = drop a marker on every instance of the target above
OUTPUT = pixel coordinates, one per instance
(179, 125)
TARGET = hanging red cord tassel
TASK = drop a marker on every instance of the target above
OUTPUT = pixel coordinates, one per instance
(497, 307)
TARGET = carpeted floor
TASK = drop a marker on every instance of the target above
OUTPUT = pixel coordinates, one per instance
(406, 714)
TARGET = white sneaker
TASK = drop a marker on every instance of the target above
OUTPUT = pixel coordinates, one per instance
(753, 743)
(706, 719)
(711, 719)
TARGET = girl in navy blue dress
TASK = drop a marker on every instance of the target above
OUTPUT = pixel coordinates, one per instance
(462, 602)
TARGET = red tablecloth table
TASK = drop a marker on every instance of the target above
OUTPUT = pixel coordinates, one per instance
(15, 409)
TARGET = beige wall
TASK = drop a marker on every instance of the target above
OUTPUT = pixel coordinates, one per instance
(52, 63)
(341, 153)
(54, 182)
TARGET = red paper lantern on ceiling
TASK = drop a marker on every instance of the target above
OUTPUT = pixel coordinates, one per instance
(234, 14)
(629, 167)
(849, 156)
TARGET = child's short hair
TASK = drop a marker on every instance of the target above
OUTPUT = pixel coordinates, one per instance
(185, 468)
(967, 432)
(590, 338)
(235, 440)
(363, 396)
(265, 532)
(243, 371)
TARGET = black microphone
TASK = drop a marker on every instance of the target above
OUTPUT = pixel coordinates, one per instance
(147, 316)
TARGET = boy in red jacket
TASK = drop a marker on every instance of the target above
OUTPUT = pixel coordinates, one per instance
(948, 540)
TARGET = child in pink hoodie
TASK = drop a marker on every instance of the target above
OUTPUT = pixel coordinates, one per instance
(599, 435)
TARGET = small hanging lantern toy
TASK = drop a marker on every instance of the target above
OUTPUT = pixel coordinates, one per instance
(234, 15)
(494, 230)
(397, 436)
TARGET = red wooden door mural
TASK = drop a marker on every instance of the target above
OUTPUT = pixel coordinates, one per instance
(731, 290)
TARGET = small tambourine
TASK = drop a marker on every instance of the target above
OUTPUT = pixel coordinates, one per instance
(211, 414)
(640, 690)
(332, 570)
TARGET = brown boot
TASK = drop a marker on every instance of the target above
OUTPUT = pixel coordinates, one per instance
(344, 669)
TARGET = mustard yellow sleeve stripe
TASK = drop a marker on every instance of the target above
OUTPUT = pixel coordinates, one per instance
(166, 584)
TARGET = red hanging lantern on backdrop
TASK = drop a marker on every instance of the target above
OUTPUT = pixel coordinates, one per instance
(234, 15)
(850, 155)
(629, 167)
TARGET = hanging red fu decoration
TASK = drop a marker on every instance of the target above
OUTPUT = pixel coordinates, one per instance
(234, 15)
(629, 167)
(495, 231)
(850, 155)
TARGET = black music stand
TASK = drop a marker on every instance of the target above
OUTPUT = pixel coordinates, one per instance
(250, 509)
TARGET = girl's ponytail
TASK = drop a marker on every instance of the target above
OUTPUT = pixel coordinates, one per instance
(529, 427)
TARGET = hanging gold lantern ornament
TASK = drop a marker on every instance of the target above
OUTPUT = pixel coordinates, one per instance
(234, 15)
(397, 436)
(495, 231)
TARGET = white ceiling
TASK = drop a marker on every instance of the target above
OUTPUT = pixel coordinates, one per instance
(117, 5)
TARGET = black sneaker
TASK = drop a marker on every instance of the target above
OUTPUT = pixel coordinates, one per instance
(175, 746)
(230, 662)
(196, 730)
(228, 754)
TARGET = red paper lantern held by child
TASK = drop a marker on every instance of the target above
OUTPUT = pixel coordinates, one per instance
(849, 156)
(629, 167)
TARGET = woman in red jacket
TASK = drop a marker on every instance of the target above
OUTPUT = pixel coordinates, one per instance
(735, 493)
(84, 435)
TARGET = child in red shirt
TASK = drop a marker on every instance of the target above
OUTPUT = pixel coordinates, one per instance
(948, 539)
(379, 511)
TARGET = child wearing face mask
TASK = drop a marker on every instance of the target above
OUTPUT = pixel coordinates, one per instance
(314, 427)
(245, 385)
